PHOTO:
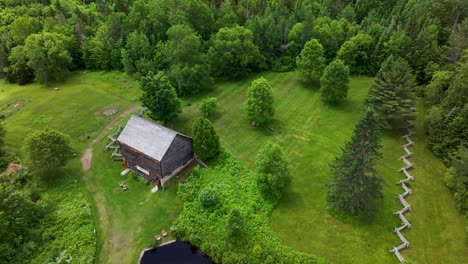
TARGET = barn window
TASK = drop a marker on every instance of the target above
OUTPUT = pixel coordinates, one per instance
(142, 170)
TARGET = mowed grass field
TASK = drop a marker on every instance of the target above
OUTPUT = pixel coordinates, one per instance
(125, 221)
(312, 134)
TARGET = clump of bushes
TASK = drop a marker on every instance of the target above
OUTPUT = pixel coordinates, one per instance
(208, 106)
(236, 228)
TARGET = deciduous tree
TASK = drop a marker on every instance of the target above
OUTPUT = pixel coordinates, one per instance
(233, 53)
(259, 103)
(311, 61)
(208, 106)
(188, 69)
(272, 171)
(46, 151)
(48, 56)
(160, 97)
(137, 54)
(334, 84)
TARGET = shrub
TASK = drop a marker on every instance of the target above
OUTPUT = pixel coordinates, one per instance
(209, 198)
(208, 106)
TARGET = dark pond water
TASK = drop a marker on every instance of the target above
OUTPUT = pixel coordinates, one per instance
(175, 253)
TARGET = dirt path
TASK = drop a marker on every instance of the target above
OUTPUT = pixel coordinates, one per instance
(88, 154)
(86, 159)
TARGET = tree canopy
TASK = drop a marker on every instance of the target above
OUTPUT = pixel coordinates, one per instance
(259, 103)
(392, 93)
(311, 63)
(356, 186)
(46, 151)
(48, 56)
(205, 140)
(160, 97)
(233, 52)
(272, 171)
(334, 83)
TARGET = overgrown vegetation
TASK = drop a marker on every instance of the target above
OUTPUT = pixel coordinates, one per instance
(41, 224)
(230, 219)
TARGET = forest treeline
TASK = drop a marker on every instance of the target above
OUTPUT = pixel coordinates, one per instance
(195, 40)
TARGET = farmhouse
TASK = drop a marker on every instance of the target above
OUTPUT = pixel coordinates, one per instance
(154, 151)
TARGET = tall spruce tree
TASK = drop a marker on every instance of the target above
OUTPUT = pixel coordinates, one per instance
(355, 185)
(392, 93)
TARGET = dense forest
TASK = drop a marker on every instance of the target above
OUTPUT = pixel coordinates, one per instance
(190, 44)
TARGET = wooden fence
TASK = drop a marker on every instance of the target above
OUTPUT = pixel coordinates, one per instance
(407, 191)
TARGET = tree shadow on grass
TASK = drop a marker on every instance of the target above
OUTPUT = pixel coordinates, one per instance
(52, 179)
(355, 220)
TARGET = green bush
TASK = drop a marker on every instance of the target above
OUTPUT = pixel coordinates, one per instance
(209, 198)
(208, 106)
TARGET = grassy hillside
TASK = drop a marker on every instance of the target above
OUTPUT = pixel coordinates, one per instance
(125, 221)
(312, 134)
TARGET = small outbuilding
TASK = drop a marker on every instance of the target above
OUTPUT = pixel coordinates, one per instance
(154, 151)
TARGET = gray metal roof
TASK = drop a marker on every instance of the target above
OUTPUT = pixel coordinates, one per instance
(147, 137)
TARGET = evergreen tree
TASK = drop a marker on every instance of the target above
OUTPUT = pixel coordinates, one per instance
(160, 97)
(205, 140)
(311, 62)
(355, 185)
(334, 84)
(457, 42)
(392, 92)
(260, 102)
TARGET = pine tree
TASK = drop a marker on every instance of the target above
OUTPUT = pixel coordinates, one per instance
(355, 185)
(260, 102)
(334, 84)
(160, 97)
(205, 140)
(392, 93)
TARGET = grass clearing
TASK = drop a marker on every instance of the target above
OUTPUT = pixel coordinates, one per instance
(126, 221)
(312, 134)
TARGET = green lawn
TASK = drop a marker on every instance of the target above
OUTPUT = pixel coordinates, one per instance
(312, 134)
(127, 220)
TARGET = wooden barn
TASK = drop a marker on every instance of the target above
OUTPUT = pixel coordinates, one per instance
(154, 151)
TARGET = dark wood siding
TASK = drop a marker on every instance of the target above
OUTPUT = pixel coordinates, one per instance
(179, 153)
(135, 158)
